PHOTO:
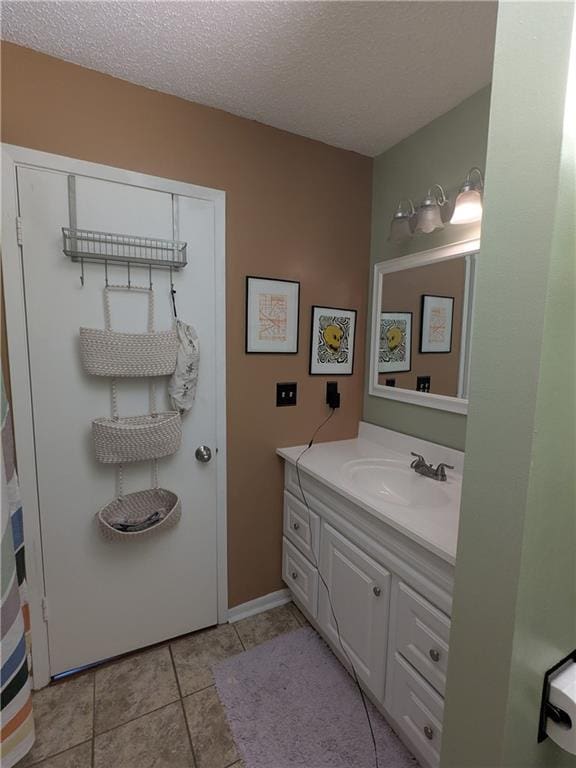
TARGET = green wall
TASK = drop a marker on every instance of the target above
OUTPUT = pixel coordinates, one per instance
(442, 152)
(514, 611)
(546, 606)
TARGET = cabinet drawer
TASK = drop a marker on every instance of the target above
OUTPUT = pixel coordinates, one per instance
(301, 577)
(302, 527)
(291, 481)
(422, 633)
(418, 710)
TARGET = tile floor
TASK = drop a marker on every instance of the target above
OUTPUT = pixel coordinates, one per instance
(154, 709)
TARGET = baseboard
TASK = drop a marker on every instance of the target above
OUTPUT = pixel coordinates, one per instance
(260, 604)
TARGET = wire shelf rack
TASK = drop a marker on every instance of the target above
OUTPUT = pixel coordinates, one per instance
(87, 245)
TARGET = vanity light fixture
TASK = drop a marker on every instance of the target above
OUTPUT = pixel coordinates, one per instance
(468, 206)
(400, 228)
(428, 217)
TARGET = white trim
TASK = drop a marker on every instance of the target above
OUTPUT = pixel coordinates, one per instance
(465, 326)
(12, 157)
(221, 411)
(259, 605)
(433, 256)
(470, 309)
(22, 419)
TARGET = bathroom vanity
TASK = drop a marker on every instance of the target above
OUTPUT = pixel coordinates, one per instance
(384, 539)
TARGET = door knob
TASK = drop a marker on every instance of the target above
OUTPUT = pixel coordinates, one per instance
(296, 526)
(203, 454)
(434, 654)
(428, 732)
(294, 575)
(377, 591)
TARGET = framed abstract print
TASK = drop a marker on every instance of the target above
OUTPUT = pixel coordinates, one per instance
(395, 351)
(332, 341)
(436, 324)
(272, 310)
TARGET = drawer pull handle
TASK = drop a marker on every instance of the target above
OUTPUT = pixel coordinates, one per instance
(428, 732)
(434, 654)
(377, 591)
(294, 575)
(296, 526)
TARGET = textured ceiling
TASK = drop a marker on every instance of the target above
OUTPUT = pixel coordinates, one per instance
(358, 75)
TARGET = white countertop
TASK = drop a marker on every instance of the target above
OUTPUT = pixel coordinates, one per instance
(435, 527)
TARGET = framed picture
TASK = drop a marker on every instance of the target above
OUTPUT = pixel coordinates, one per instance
(436, 324)
(272, 311)
(332, 341)
(395, 352)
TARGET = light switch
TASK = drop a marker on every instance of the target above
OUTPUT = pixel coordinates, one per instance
(286, 394)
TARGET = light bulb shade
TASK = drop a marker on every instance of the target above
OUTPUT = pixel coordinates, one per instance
(428, 218)
(468, 207)
(399, 229)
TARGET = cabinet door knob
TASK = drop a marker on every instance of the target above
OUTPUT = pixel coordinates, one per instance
(428, 732)
(296, 526)
(434, 654)
(377, 591)
(294, 575)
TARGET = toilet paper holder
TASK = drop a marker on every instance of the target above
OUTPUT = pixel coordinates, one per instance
(549, 710)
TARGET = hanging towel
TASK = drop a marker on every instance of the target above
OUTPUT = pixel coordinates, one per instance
(182, 385)
(17, 723)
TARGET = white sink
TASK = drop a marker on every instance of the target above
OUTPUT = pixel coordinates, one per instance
(393, 481)
(373, 473)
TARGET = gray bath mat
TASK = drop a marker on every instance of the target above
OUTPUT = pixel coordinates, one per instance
(291, 704)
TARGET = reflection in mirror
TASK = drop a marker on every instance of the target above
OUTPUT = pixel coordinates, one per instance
(424, 308)
(421, 328)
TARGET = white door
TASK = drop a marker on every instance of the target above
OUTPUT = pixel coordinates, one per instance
(105, 598)
(360, 598)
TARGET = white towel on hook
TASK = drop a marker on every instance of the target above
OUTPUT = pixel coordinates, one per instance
(184, 380)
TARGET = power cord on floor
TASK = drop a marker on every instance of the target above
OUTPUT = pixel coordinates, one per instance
(354, 674)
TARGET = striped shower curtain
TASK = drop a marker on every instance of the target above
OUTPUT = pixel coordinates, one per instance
(17, 724)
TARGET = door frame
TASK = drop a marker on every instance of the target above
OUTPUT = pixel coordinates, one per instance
(22, 404)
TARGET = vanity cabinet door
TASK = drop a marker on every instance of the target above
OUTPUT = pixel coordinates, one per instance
(358, 606)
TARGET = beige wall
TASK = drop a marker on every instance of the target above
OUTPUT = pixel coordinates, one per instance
(402, 291)
(296, 208)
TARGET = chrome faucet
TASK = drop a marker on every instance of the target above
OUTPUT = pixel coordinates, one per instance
(421, 466)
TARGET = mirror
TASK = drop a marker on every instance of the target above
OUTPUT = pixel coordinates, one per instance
(421, 322)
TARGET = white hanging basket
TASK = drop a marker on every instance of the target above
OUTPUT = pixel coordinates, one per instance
(105, 352)
(111, 353)
(136, 438)
(135, 509)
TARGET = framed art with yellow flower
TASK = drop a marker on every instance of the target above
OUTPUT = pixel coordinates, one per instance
(395, 353)
(332, 341)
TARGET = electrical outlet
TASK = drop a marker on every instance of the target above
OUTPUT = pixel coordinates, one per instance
(286, 394)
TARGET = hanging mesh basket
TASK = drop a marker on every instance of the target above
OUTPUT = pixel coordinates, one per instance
(136, 438)
(155, 508)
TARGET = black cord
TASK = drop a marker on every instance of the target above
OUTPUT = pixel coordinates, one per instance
(354, 675)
